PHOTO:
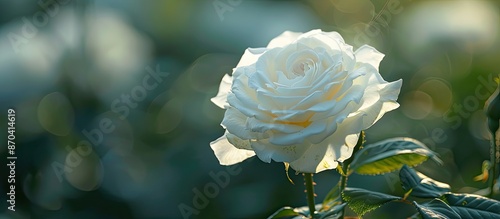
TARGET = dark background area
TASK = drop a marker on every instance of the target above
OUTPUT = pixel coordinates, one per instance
(67, 66)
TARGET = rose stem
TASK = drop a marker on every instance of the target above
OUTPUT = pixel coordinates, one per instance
(345, 167)
(495, 158)
(308, 178)
(343, 183)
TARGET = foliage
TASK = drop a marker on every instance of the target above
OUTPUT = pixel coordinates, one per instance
(436, 199)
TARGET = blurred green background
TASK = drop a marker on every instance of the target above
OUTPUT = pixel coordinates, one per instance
(68, 65)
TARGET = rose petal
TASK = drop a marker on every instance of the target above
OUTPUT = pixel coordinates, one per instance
(334, 35)
(238, 142)
(235, 123)
(318, 158)
(347, 149)
(299, 137)
(335, 107)
(325, 155)
(269, 101)
(256, 125)
(310, 33)
(334, 41)
(225, 86)
(267, 151)
(369, 55)
(388, 95)
(248, 109)
(284, 39)
(227, 154)
(250, 56)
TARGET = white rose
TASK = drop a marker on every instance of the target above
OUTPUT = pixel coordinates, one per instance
(303, 100)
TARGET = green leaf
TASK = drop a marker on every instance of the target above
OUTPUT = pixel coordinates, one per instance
(415, 216)
(390, 155)
(284, 212)
(436, 209)
(420, 185)
(362, 201)
(304, 210)
(333, 213)
(333, 198)
(473, 206)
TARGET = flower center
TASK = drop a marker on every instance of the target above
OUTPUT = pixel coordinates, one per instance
(300, 68)
(303, 124)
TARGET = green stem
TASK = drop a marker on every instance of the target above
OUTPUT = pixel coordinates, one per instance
(345, 167)
(343, 179)
(343, 184)
(495, 159)
(310, 192)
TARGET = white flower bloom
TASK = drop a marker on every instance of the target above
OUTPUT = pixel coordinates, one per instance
(303, 100)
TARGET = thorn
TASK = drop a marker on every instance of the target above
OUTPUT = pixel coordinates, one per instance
(314, 183)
